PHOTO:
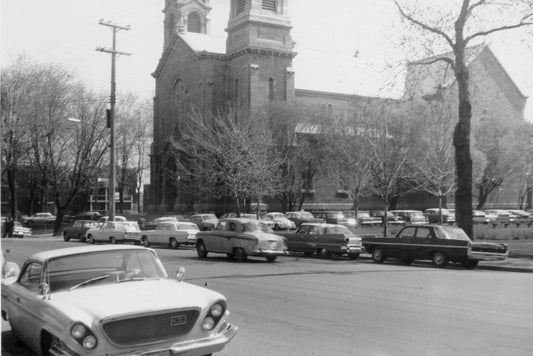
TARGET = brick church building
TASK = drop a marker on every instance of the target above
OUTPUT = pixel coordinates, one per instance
(250, 68)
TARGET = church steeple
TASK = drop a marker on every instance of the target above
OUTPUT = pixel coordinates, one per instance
(185, 16)
(259, 24)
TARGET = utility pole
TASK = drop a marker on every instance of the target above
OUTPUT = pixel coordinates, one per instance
(111, 113)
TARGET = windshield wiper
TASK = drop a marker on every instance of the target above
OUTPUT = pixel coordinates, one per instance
(89, 281)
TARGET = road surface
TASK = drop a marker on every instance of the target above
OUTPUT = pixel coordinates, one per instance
(310, 306)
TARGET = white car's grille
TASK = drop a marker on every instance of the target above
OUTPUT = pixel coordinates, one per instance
(151, 328)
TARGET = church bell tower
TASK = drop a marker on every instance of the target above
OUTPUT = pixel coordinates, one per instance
(185, 16)
(260, 51)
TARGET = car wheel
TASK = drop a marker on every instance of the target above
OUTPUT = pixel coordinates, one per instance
(230, 255)
(145, 242)
(240, 255)
(91, 239)
(173, 244)
(65, 236)
(276, 227)
(470, 264)
(324, 252)
(271, 258)
(353, 256)
(201, 250)
(439, 259)
(112, 240)
(378, 256)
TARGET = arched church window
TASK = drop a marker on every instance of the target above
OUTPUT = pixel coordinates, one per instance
(269, 5)
(179, 94)
(194, 23)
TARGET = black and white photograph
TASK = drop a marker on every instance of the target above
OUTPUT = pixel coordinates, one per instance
(266, 177)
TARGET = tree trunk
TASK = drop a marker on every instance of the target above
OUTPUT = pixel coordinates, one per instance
(463, 160)
(11, 177)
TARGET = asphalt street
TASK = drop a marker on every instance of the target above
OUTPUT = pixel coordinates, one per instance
(312, 306)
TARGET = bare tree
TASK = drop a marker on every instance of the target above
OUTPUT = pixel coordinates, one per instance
(298, 141)
(227, 155)
(392, 134)
(474, 20)
(434, 166)
(15, 103)
(348, 154)
(64, 154)
(132, 135)
(505, 147)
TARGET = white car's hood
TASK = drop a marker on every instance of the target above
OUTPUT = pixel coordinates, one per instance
(132, 297)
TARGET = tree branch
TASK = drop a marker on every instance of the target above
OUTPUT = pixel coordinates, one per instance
(498, 29)
(425, 26)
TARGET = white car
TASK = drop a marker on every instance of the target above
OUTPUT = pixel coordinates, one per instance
(114, 232)
(171, 233)
(279, 221)
(40, 219)
(111, 300)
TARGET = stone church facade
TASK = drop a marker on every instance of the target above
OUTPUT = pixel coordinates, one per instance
(251, 68)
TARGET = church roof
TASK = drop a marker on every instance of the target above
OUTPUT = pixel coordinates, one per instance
(200, 42)
(424, 79)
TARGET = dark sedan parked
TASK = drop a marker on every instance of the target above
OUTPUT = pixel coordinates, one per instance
(438, 243)
(78, 229)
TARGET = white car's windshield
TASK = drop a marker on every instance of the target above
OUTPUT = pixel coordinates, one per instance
(74, 271)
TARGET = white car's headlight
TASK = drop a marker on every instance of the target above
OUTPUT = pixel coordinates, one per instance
(217, 310)
(89, 342)
(83, 336)
(209, 323)
(78, 331)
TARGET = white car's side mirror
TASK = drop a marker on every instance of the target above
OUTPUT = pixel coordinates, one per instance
(180, 274)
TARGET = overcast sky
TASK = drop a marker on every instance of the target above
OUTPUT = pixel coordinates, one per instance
(327, 35)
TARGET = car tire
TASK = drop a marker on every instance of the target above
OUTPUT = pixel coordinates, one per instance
(145, 242)
(112, 240)
(230, 255)
(324, 252)
(91, 239)
(271, 258)
(353, 256)
(201, 250)
(240, 255)
(439, 259)
(276, 227)
(378, 256)
(173, 243)
(65, 236)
